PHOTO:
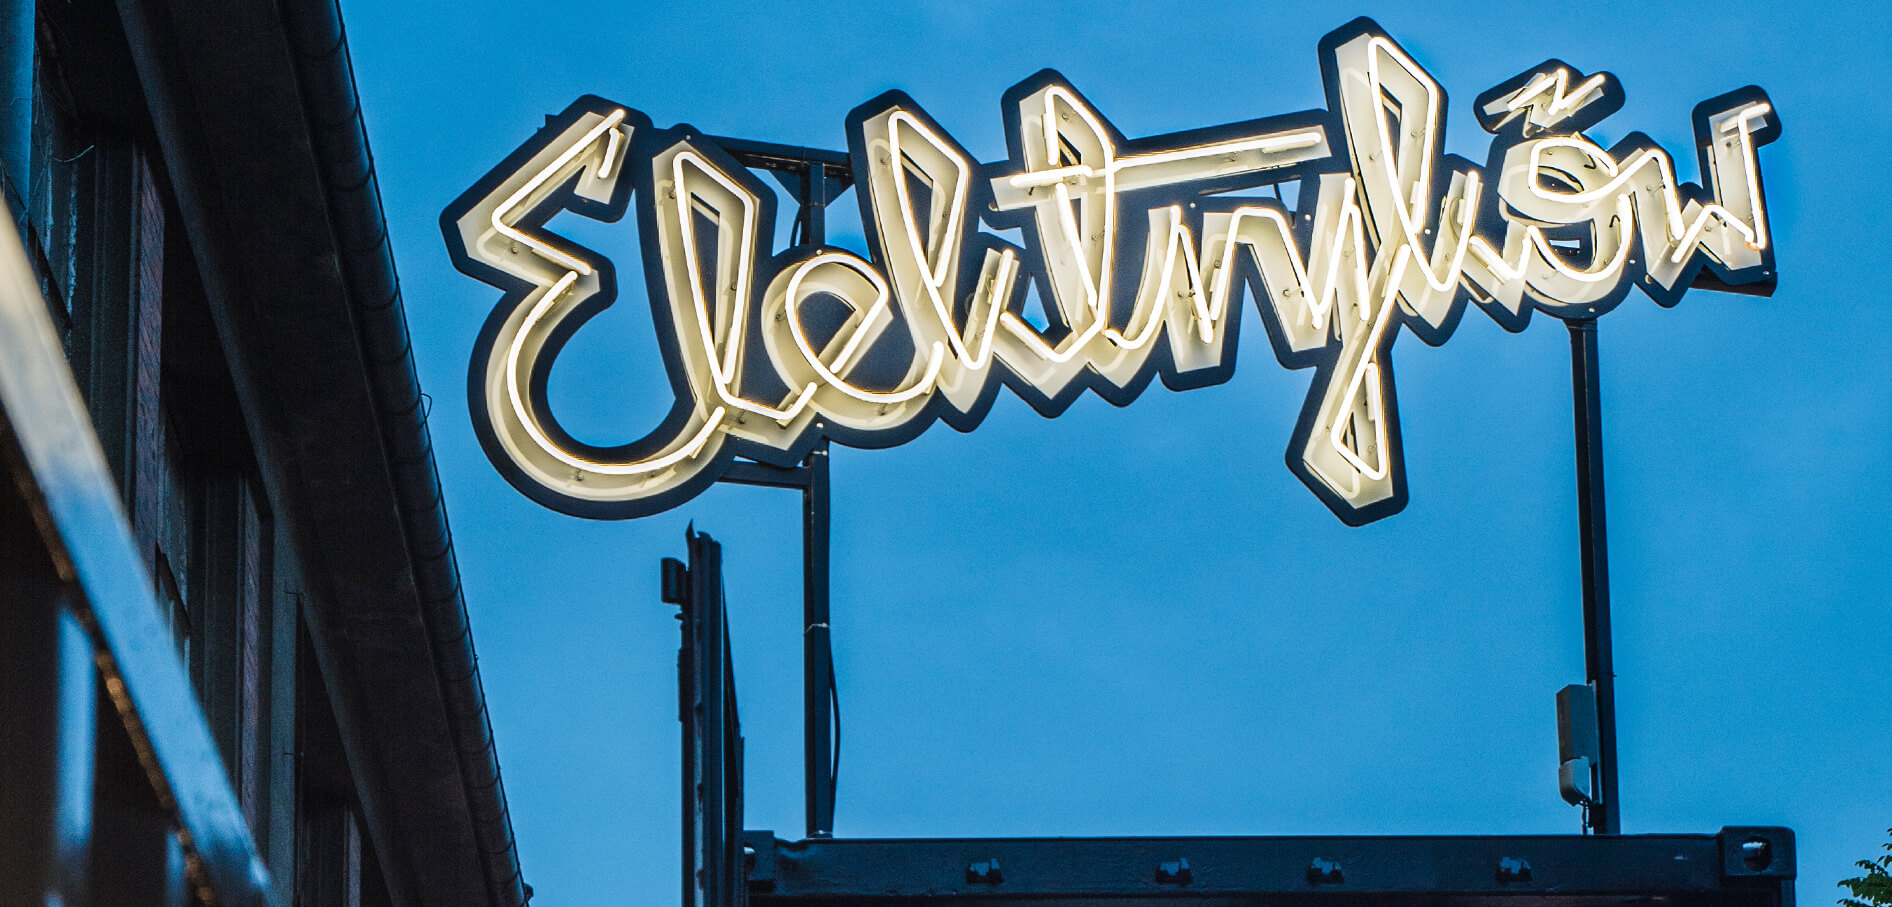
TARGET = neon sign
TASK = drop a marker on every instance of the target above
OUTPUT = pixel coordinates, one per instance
(1138, 249)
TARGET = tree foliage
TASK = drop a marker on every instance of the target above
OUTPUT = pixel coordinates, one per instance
(1874, 889)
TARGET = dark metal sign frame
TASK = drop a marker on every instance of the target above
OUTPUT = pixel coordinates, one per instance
(1570, 248)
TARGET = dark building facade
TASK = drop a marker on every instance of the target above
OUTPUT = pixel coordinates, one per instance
(235, 665)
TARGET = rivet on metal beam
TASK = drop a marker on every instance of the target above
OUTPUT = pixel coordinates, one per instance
(1757, 854)
(1174, 872)
(985, 872)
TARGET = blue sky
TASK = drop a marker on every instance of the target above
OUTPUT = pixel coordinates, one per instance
(1137, 621)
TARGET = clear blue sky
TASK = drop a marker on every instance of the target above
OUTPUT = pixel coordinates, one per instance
(1133, 621)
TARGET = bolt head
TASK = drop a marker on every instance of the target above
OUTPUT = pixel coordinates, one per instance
(985, 872)
(1174, 872)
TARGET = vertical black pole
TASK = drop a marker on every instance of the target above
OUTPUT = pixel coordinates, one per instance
(691, 720)
(712, 771)
(817, 652)
(1598, 663)
(687, 715)
(814, 204)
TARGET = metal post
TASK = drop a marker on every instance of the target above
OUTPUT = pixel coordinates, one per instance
(712, 734)
(706, 613)
(817, 652)
(677, 588)
(1599, 668)
(814, 204)
(817, 645)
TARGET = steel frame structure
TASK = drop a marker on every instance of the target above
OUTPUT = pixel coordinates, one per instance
(1741, 866)
(816, 178)
(727, 866)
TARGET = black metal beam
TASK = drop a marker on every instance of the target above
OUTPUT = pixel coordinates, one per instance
(749, 472)
(771, 156)
(1598, 660)
(1747, 866)
(817, 659)
(712, 733)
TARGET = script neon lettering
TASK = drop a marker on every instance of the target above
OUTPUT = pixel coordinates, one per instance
(1136, 249)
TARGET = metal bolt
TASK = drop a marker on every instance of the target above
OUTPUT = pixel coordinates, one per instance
(1512, 869)
(1174, 872)
(1757, 854)
(1324, 872)
(986, 872)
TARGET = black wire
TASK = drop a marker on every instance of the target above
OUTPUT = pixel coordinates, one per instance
(834, 765)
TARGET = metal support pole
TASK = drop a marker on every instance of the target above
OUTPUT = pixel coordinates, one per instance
(817, 645)
(814, 204)
(686, 710)
(817, 651)
(712, 733)
(1598, 664)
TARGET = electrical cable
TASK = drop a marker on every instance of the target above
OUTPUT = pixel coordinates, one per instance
(834, 764)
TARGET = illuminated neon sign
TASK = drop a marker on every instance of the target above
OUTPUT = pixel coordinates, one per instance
(1137, 249)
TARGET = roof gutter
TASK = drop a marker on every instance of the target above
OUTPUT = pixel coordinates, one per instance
(332, 107)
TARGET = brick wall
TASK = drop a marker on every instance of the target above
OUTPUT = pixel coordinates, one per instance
(147, 345)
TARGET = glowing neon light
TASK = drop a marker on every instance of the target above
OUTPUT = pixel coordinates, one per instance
(1133, 245)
